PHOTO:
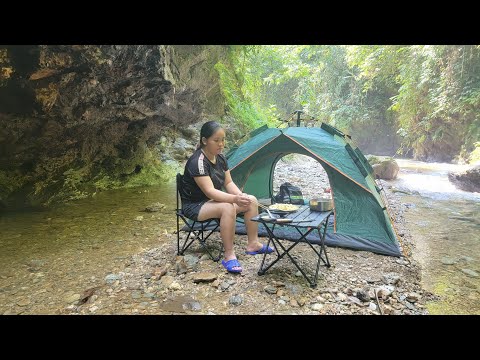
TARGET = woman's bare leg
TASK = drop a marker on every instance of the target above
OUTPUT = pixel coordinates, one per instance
(252, 227)
(227, 214)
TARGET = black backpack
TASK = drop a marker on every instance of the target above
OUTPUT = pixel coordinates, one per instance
(289, 194)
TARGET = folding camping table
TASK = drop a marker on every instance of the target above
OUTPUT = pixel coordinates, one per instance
(315, 220)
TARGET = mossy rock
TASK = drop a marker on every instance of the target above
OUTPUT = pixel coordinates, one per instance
(387, 169)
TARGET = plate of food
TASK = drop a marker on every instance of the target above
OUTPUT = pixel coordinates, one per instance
(282, 209)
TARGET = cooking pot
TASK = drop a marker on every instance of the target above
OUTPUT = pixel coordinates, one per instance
(321, 204)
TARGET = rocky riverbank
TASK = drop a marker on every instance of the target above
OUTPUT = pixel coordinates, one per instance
(157, 281)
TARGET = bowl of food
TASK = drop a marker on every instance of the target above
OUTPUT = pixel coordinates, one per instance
(283, 209)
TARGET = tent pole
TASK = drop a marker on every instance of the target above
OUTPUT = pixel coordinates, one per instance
(298, 112)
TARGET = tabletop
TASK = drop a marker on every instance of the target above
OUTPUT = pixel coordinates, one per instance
(303, 217)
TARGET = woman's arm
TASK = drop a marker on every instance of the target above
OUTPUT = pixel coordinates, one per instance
(206, 185)
(230, 186)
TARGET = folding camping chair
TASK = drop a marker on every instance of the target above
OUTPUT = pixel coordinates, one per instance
(195, 230)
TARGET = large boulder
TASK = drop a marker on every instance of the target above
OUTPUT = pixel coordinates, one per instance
(386, 169)
(468, 180)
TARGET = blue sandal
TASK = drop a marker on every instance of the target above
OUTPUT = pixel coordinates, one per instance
(230, 264)
(263, 250)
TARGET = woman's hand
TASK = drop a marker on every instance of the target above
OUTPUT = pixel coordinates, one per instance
(242, 200)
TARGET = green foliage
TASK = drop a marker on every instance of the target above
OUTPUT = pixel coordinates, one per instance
(475, 155)
(238, 107)
(419, 99)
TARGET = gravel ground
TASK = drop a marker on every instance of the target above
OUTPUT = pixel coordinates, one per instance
(157, 281)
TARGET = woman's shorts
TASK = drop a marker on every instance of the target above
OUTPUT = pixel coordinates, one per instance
(191, 210)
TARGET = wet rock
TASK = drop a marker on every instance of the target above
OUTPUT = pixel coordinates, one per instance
(204, 277)
(448, 261)
(468, 180)
(470, 272)
(154, 207)
(35, 265)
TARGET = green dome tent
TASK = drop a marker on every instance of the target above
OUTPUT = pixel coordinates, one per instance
(361, 218)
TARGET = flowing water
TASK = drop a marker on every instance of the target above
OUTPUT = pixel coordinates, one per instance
(445, 224)
(48, 256)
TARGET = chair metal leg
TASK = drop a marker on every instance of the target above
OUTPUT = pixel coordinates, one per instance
(198, 234)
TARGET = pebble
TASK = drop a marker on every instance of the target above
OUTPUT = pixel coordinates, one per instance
(204, 277)
(224, 285)
(235, 300)
(23, 302)
(175, 286)
(270, 289)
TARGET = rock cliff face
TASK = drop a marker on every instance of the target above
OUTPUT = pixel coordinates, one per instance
(77, 119)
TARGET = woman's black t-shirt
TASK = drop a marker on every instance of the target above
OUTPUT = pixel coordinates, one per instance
(199, 165)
